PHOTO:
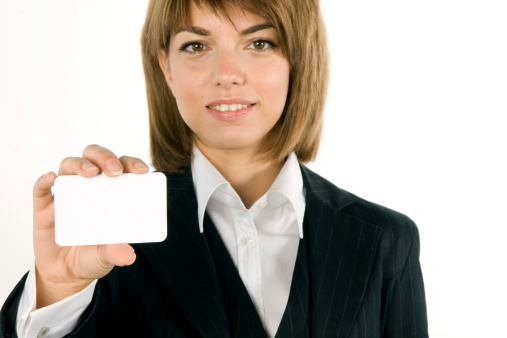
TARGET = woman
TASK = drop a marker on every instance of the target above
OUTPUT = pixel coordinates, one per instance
(257, 245)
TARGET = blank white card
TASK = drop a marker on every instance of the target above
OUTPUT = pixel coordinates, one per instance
(105, 210)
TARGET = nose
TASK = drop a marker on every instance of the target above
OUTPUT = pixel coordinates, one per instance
(228, 70)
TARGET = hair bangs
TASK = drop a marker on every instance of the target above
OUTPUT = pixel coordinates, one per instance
(303, 41)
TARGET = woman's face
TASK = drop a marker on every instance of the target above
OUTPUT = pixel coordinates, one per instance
(230, 83)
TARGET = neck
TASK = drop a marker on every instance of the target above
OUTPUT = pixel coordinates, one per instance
(249, 174)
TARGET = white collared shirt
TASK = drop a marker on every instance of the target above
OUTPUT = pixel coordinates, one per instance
(262, 242)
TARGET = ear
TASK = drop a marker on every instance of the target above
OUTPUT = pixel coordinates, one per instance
(164, 65)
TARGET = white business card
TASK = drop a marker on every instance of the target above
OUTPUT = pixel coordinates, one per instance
(105, 210)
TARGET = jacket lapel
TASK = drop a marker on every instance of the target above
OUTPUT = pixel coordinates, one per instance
(243, 318)
(341, 253)
(184, 264)
(295, 322)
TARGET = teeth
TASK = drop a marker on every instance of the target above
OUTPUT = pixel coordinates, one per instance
(229, 107)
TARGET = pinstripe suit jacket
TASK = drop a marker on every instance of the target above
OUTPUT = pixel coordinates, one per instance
(364, 277)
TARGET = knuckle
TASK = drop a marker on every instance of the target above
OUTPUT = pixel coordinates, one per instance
(91, 147)
(127, 159)
(36, 186)
(94, 151)
(65, 160)
(70, 165)
(68, 160)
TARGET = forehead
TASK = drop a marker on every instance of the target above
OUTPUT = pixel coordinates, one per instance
(209, 17)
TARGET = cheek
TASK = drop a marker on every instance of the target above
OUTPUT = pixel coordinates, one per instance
(274, 82)
(185, 81)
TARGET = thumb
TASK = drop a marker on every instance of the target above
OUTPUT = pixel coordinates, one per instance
(117, 254)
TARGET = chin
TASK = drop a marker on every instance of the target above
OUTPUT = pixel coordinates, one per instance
(232, 142)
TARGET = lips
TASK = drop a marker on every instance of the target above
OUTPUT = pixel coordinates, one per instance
(231, 104)
(229, 109)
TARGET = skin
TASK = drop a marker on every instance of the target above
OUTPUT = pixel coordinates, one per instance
(63, 271)
(229, 64)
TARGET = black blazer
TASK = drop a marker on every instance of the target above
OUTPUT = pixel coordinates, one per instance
(363, 277)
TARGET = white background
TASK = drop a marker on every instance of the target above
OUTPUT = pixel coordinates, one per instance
(415, 120)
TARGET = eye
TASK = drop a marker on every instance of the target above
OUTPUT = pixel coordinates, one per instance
(193, 47)
(261, 45)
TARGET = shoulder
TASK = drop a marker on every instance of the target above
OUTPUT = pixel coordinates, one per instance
(399, 235)
(352, 204)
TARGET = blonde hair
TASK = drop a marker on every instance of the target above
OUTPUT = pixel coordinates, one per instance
(303, 41)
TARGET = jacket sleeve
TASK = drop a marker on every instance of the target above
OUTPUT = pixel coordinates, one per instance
(112, 300)
(114, 310)
(406, 307)
(10, 309)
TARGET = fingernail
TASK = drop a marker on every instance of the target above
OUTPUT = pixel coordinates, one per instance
(113, 167)
(43, 176)
(141, 166)
(87, 166)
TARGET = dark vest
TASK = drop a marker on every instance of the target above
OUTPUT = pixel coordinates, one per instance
(241, 314)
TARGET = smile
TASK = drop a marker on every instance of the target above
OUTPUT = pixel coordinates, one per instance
(230, 112)
(229, 107)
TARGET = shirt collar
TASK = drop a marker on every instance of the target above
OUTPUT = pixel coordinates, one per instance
(288, 183)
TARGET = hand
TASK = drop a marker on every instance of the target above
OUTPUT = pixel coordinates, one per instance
(63, 271)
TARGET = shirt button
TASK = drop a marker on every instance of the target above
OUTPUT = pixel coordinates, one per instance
(262, 205)
(247, 241)
(43, 332)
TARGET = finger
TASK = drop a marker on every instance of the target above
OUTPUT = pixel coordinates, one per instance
(103, 158)
(42, 196)
(117, 254)
(77, 166)
(134, 165)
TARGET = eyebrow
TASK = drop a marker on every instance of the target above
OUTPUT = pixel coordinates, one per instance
(205, 32)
